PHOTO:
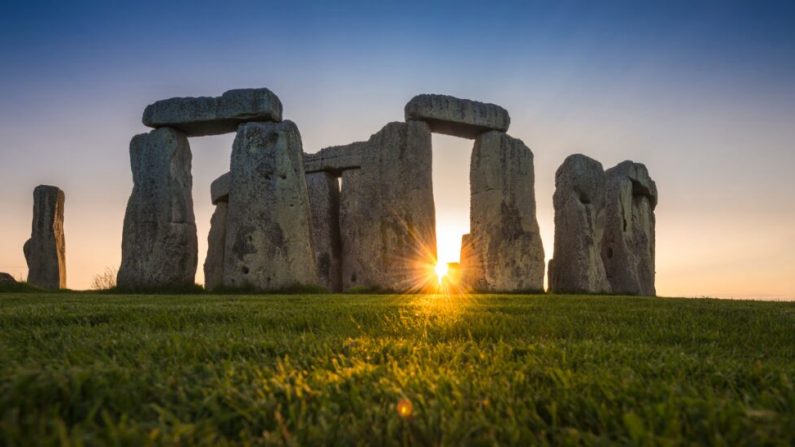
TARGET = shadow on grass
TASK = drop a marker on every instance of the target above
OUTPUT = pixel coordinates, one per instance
(21, 287)
(197, 289)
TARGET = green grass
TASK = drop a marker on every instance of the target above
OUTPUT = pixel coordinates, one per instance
(330, 369)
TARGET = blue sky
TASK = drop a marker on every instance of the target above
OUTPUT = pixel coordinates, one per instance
(702, 92)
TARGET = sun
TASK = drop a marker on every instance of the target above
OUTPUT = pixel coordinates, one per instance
(441, 271)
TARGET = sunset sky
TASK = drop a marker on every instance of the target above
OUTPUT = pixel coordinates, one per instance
(703, 93)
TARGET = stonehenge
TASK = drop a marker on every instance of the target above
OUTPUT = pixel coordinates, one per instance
(604, 228)
(361, 216)
(45, 251)
(387, 211)
(159, 242)
(259, 236)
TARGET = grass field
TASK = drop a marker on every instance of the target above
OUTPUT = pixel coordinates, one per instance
(332, 369)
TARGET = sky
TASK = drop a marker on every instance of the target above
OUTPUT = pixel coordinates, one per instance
(702, 93)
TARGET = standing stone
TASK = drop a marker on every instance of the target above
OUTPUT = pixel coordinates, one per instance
(387, 214)
(506, 245)
(579, 202)
(45, 251)
(268, 238)
(159, 244)
(466, 262)
(216, 243)
(324, 206)
(628, 243)
(216, 238)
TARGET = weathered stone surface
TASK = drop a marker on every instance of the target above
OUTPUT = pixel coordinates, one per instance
(628, 242)
(466, 262)
(324, 205)
(268, 237)
(335, 159)
(219, 189)
(387, 214)
(458, 117)
(45, 251)
(6, 279)
(159, 244)
(216, 244)
(212, 116)
(579, 203)
(507, 253)
(216, 238)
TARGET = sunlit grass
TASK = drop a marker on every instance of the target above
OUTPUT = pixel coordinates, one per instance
(431, 369)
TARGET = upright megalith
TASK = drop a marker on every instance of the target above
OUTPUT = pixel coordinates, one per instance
(216, 248)
(458, 117)
(466, 262)
(579, 203)
(387, 213)
(216, 238)
(324, 204)
(507, 253)
(45, 251)
(628, 242)
(268, 237)
(159, 244)
(212, 116)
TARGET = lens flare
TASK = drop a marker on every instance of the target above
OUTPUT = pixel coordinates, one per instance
(441, 271)
(404, 408)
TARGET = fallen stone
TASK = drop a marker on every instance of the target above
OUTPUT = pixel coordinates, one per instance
(579, 203)
(335, 159)
(458, 117)
(507, 253)
(387, 214)
(45, 251)
(324, 205)
(628, 244)
(6, 279)
(159, 244)
(214, 115)
(216, 244)
(219, 189)
(268, 237)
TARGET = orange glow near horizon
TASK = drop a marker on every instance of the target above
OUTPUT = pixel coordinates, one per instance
(448, 240)
(441, 271)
